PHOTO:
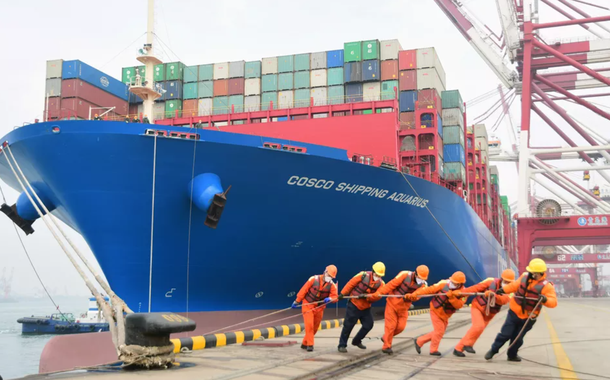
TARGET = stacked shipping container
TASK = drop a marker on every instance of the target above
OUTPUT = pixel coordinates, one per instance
(454, 136)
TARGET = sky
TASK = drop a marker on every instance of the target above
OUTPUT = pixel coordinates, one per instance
(108, 34)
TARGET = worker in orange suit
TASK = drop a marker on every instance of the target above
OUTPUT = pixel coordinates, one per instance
(364, 285)
(478, 309)
(318, 291)
(530, 289)
(397, 308)
(442, 308)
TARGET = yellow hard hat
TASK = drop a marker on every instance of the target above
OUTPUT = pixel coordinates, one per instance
(536, 266)
(379, 268)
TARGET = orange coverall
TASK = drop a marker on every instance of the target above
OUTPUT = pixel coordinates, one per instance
(396, 310)
(313, 312)
(548, 291)
(477, 312)
(440, 319)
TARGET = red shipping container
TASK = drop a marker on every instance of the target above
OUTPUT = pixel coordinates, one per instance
(428, 99)
(221, 87)
(407, 60)
(75, 88)
(236, 86)
(407, 120)
(52, 107)
(133, 110)
(407, 80)
(389, 70)
(76, 107)
(190, 107)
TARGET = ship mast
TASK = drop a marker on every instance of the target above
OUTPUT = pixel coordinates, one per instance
(145, 89)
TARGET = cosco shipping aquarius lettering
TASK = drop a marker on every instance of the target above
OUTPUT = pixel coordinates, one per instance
(179, 177)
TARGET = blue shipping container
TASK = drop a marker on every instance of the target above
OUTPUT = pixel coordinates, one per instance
(135, 99)
(407, 101)
(80, 70)
(370, 70)
(353, 92)
(173, 90)
(352, 72)
(334, 58)
(454, 153)
(439, 121)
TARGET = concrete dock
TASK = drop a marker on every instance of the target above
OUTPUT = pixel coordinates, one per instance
(575, 336)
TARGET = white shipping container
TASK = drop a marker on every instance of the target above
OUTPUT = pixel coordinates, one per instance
(269, 66)
(371, 91)
(159, 110)
(389, 49)
(427, 58)
(236, 69)
(318, 60)
(204, 107)
(53, 87)
(285, 99)
(429, 78)
(453, 117)
(481, 143)
(485, 160)
(318, 78)
(480, 131)
(252, 86)
(54, 68)
(221, 70)
(494, 170)
(252, 103)
(320, 96)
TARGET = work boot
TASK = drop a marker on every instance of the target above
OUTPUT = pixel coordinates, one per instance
(469, 349)
(387, 351)
(435, 353)
(417, 346)
(303, 347)
(359, 345)
(515, 358)
(459, 353)
(490, 354)
(309, 348)
(342, 349)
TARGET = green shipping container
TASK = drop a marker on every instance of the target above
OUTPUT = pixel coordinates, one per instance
(190, 90)
(302, 98)
(171, 106)
(142, 72)
(253, 69)
(504, 199)
(334, 76)
(206, 72)
(301, 62)
(174, 71)
(285, 64)
(336, 95)
(301, 79)
(267, 98)
(205, 89)
(352, 51)
(370, 50)
(128, 73)
(191, 74)
(387, 89)
(453, 135)
(269, 83)
(236, 103)
(159, 73)
(220, 105)
(452, 99)
(494, 179)
(285, 82)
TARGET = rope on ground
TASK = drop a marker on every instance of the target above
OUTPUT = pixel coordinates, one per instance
(442, 228)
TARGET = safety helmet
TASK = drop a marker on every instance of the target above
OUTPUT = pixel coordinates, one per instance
(422, 272)
(379, 268)
(508, 275)
(331, 270)
(95, 115)
(536, 266)
(458, 278)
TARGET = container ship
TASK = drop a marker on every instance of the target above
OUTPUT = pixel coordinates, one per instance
(246, 178)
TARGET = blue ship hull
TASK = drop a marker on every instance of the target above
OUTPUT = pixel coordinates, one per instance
(45, 325)
(277, 229)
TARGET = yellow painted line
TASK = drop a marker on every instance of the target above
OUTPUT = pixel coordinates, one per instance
(239, 337)
(221, 340)
(177, 345)
(198, 343)
(562, 358)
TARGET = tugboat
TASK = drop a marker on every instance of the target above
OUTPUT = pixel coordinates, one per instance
(66, 323)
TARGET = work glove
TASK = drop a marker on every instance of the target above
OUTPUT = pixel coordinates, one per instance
(327, 300)
(543, 298)
(362, 296)
(457, 293)
(450, 294)
(500, 292)
(295, 304)
(410, 298)
(340, 296)
(488, 293)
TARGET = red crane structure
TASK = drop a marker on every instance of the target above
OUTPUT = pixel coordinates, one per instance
(521, 59)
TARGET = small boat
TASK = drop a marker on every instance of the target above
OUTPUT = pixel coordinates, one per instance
(66, 323)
